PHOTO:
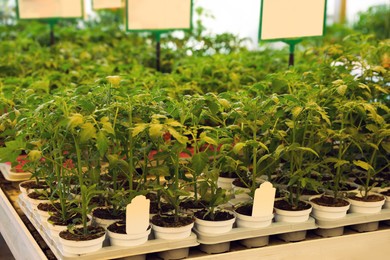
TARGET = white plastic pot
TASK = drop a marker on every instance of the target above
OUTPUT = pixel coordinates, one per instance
(292, 216)
(369, 207)
(328, 212)
(214, 227)
(172, 233)
(245, 221)
(225, 183)
(81, 247)
(117, 239)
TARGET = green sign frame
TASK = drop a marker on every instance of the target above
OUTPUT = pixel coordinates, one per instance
(158, 31)
(289, 39)
(50, 20)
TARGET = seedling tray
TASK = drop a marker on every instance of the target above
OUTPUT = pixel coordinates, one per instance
(109, 252)
(245, 233)
(353, 219)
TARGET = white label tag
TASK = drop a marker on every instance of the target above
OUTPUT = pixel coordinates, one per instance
(263, 202)
(137, 215)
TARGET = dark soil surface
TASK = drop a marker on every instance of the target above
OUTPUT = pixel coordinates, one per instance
(109, 213)
(239, 183)
(118, 227)
(152, 196)
(284, 205)
(37, 196)
(169, 220)
(370, 198)
(386, 193)
(31, 185)
(245, 209)
(98, 201)
(330, 201)
(49, 207)
(56, 219)
(218, 215)
(164, 207)
(228, 175)
(192, 204)
(78, 235)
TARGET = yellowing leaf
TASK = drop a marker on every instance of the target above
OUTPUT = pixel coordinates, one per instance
(155, 130)
(180, 138)
(34, 155)
(342, 89)
(224, 102)
(138, 129)
(338, 82)
(364, 86)
(207, 139)
(75, 120)
(363, 165)
(238, 147)
(296, 111)
(88, 132)
(290, 123)
(172, 122)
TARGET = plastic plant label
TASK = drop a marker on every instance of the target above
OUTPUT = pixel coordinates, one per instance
(137, 215)
(263, 202)
(106, 4)
(158, 15)
(46, 9)
(283, 19)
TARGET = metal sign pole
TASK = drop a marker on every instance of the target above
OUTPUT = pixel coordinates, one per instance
(158, 51)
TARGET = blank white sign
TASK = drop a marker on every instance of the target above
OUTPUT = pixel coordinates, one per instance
(158, 14)
(292, 18)
(106, 4)
(41, 9)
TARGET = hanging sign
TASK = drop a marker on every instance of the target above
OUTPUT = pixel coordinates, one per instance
(49, 9)
(285, 19)
(158, 15)
(106, 4)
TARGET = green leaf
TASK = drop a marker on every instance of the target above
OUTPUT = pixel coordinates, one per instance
(107, 126)
(207, 139)
(101, 143)
(307, 149)
(199, 162)
(279, 150)
(88, 132)
(364, 165)
(386, 146)
(161, 170)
